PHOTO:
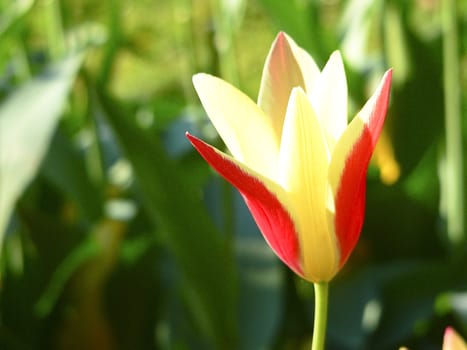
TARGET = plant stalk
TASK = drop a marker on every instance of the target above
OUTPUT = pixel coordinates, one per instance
(454, 180)
(54, 29)
(321, 315)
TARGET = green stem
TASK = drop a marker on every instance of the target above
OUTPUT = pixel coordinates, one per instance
(114, 12)
(321, 315)
(228, 208)
(183, 40)
(454, 186)
(224, 39)
(54, 29)
(20, 59)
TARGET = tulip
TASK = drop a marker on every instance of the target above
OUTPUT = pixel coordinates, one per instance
(299, 165)
(453, 341)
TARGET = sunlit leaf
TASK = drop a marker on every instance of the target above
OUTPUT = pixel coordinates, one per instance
(10, 16)
(28, 118)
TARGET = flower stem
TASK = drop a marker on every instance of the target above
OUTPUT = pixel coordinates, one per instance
(54, 29)
(454, 186)
(321, 315)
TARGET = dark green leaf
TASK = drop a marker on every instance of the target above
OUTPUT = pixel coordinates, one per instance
(186, 228)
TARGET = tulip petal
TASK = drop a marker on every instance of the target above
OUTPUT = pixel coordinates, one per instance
(242, 125)
(303, 169)
(453, 341)
(281, 73)
(329, 98)
(263, 198)
(349, 164)
(308, 67)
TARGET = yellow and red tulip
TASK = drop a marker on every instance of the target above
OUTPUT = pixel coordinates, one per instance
(299, 165)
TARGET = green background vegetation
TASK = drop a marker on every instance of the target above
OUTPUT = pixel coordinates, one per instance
(116, 235)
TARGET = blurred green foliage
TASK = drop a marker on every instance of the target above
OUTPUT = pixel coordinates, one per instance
(116, 235)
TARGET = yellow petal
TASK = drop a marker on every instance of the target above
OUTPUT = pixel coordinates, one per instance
(245, 129)
(329, 98)
(303, 169)
(281, 74)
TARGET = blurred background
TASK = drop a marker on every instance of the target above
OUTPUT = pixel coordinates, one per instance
(116, 235)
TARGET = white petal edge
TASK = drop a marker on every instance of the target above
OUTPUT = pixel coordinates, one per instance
(308, 66)
(329, 98)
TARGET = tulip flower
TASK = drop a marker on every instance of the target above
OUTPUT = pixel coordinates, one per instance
(453, 341)
(299, 165)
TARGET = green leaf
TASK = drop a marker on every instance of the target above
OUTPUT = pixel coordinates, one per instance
(409, 298)
(12, 15)
(261, 283)
(300, 19)
(356, 304)
(28, 118)
(186, 228)
(82, 253)
(64, 166)
(348, 299)
(290, 16)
